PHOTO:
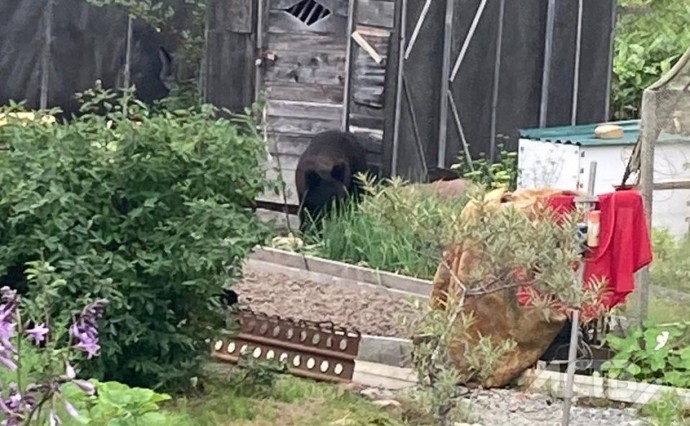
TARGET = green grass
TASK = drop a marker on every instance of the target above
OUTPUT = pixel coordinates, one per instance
(291, 402)
(669, 410)
(395, 229)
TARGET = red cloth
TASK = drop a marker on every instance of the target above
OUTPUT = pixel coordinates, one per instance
(624, 248)
(624, 244)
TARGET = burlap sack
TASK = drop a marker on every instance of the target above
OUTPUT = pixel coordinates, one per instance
(498, 315)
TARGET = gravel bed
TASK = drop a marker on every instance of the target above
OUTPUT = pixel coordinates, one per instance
(510, 407)
(506, 407)
(373, 311)
(369, 310)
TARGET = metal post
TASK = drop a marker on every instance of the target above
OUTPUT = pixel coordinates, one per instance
(649, 131)
(128, 52)
(45, 58)
(588, 203)
(497, 76)
(578, 54)
(466, 43)
(402, 27)
(445, 84)
(546, 72)
(349, 56)
(258, 75)
(609, 75)
(203, 73)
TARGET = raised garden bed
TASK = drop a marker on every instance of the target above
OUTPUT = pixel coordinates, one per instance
(384, 352)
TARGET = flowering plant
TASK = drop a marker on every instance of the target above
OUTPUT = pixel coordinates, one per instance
(23, 404)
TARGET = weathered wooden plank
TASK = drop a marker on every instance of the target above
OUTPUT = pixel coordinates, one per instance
(232, 15)
(295, 144)
(310, 110)
(300, 125)
(290, 70)
(369, 76)
(324, 93)
(367, 122)
(289, 43)
(304, 56)
(283, 22)
(376, 13)
(230, 51)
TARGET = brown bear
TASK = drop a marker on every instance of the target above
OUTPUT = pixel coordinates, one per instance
(325, 174)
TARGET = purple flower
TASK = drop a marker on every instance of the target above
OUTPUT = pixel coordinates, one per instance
(16, 406)
(38, 333)
(69, 371)
(54, 419)
(86, 387)
(71, 410)
(84, 330)
(8, 310)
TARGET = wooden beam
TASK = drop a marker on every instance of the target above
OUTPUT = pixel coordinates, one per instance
(361, 41)
(664, 186)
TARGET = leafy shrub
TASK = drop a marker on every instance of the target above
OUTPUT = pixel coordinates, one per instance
(669, 410)
(150, 211)
(647, 45)
(671, 266)
(394, 228)
(118, 404)
(503, 172)
(652, 353)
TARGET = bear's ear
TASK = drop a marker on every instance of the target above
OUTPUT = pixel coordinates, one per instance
(341, 173)
(313, 179)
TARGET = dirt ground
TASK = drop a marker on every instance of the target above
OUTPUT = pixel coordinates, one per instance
(371, 311)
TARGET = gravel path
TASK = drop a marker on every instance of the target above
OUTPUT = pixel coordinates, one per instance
(371, 311)
(509, 407)
(506, 407)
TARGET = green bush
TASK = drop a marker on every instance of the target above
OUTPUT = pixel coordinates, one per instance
(650, 38)
(671, 266)
(653, 353)
(394, 228)
(151, 214)
(503, 172)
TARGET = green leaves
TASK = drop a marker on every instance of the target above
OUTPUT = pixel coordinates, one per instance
(116, 404)
(150, 215)
(646, 47)
(652, 353)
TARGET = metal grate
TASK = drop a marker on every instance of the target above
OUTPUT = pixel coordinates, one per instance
(321, 351)
(308, 11)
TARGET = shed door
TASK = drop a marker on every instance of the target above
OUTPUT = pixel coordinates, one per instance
(304, 83)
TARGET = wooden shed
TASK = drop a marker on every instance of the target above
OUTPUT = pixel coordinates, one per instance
(418, 80)
(304, 71)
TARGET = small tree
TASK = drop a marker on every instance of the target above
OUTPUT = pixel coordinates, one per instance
(504, 249)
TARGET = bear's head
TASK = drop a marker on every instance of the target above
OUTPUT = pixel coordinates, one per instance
(326, 186)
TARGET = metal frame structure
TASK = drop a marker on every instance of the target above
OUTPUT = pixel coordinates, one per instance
(320, 351)
(451, 66)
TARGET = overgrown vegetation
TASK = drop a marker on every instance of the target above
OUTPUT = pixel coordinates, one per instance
(671, 266)
(232, 399)
(505, 245)
(652, 353)
(148, 210)
(650, 37)
(502, 172)
(395, 228)
(669, 410)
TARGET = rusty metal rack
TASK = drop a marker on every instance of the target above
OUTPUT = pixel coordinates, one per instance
(317, 350)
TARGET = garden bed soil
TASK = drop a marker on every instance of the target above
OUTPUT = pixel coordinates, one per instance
(370, 310)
